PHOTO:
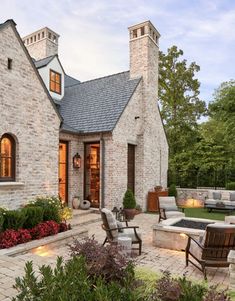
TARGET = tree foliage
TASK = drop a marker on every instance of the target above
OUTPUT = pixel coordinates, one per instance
(180, 105)
(202, 154)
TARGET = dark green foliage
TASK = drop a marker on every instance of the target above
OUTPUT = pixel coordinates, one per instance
(1, 221)
(172, 191)
(129, 201)
(230, 186)
(34, 216)
(51, 208)
(69, 281)
(14, 219)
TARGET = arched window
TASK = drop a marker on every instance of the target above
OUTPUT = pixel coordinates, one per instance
(7, 158)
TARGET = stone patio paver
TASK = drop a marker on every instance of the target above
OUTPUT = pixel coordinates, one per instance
(155, 259)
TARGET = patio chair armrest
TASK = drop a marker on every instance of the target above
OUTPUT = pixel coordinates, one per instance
(196, 241)
(106, 229)
(129, 227)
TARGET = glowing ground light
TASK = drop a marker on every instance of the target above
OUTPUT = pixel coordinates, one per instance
(42, 251)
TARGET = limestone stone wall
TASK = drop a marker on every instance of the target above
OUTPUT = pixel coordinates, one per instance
(28, 115)
(148, 135)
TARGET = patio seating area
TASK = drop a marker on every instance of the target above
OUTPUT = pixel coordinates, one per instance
(153, 258)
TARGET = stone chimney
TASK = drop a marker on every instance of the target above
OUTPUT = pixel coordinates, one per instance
(42, 43)
(144, 50)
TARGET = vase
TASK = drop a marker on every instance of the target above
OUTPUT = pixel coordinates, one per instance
(76, 202)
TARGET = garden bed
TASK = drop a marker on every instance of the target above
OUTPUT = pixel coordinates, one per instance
(50, 241)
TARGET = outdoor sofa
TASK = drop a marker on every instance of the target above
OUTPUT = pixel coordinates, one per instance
(220, 198)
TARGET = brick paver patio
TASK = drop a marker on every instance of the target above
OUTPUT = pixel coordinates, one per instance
(153, 258)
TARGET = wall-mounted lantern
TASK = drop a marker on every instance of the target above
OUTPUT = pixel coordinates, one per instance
(77, 161)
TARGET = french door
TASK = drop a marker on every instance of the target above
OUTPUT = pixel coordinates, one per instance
(92, 173)
(63, 171)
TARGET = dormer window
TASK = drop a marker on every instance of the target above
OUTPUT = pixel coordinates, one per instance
(55, 82)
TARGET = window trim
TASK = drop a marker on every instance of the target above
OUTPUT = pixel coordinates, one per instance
(13, 159)
(57, 73)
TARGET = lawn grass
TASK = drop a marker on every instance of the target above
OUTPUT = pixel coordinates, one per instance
(203, 213)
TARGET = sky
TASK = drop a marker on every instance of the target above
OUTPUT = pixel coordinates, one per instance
(94, 37)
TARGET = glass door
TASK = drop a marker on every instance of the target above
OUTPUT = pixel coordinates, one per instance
(63, 171)
(92, 173)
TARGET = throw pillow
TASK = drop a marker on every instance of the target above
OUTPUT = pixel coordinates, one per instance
(232, 196)
(217, 195)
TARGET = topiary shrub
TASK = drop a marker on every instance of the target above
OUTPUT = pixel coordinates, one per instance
(172, 191)
(129, 201)
(34, 216)
(14, 219)
(230, 186)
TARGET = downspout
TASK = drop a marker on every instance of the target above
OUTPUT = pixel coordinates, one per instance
(102, 169)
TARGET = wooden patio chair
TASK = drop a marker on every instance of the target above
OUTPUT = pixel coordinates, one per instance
(168, 208)
(213, 248)
(115, 229)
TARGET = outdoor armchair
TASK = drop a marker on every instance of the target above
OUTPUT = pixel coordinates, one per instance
(115, 229)
(212, 249)
(168, 208)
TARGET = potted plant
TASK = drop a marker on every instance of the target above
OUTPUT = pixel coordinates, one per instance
(129, 204)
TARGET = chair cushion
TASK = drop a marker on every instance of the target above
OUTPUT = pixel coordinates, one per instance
(111, 221)
(170, 208)
(172, 214)
(232, 196)
(120, 225)
(217, 195)
(129, 233)
(167, 202)
(221, 226)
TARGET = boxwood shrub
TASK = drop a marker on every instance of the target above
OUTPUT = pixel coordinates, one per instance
(51, 207)
(34, 216)
(14, 219)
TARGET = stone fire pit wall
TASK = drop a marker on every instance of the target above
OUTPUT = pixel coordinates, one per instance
(174, 238)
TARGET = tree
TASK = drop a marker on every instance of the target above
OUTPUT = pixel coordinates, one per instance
(222, 111)
(179, 99)
(180, 107)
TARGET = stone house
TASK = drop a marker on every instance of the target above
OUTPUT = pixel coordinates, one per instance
(89, 139)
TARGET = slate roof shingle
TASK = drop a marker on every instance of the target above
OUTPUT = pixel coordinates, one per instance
(70, 81)
(96, 105)
(43, 62)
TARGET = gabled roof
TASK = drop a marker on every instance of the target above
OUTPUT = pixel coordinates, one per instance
(43, 62)
(95, 106)
(13, 26)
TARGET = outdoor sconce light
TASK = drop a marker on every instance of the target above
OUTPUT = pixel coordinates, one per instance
(77, 161)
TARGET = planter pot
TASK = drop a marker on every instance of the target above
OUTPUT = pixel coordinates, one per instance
(76, 202)
(85, 205)
(129, 213)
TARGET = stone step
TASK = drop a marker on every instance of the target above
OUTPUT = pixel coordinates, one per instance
(85, 217)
